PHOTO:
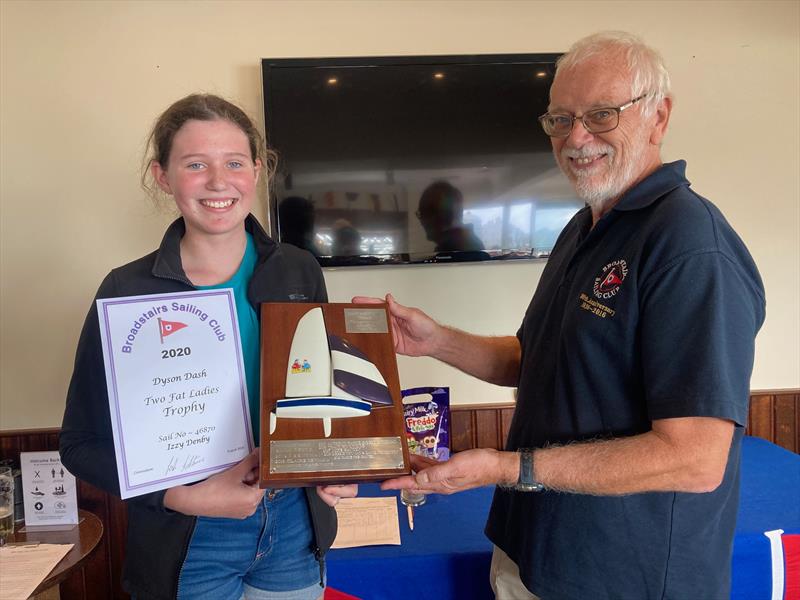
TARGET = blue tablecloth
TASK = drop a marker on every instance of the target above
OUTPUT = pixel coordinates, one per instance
(770, 499)
(447, 556)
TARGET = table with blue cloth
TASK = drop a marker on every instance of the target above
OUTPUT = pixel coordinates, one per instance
(769, 500)
(447, 556)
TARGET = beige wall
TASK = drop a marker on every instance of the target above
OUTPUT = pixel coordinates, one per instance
(82, 81)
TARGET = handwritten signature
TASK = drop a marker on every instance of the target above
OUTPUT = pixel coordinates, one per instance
(188, 463)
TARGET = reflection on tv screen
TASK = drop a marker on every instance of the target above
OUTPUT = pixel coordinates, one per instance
(414, 159)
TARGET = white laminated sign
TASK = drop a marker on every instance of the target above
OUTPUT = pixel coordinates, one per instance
(49, 490)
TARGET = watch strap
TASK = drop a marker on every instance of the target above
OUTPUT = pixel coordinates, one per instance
(526, 481)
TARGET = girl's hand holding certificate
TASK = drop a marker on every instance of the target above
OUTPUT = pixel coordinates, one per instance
(233, 493)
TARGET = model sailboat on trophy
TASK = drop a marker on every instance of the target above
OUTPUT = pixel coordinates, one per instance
(327, 378)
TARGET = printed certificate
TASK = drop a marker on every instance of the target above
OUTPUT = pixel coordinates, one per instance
(176, 387)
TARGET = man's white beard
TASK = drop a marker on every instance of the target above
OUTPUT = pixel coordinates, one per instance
(613, 183)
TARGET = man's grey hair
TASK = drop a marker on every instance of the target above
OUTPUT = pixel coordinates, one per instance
(649, 74)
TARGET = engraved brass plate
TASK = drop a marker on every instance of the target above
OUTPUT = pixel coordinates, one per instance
(365, 320)
(326, 455)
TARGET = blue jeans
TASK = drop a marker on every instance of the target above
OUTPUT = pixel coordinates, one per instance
(268, 555)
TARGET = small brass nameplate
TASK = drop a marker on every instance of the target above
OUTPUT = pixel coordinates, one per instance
(325, 455)
(365, 320)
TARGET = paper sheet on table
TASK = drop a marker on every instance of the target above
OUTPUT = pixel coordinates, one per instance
(22, 568)
(367, 522)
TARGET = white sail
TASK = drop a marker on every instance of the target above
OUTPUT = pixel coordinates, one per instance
(309, 368)
(327, 378)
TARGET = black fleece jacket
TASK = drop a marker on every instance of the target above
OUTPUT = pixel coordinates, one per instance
(158, 538)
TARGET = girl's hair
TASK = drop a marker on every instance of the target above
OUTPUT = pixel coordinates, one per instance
(649, 74)
(199, 107)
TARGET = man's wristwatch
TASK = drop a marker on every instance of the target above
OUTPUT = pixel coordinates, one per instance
(526, 482)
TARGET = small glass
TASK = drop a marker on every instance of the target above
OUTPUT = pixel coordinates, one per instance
(413, 500)
(6, 504)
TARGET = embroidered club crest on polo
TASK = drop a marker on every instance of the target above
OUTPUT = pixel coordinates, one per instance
(607, 284)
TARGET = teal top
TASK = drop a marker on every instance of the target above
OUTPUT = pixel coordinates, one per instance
(249, 328)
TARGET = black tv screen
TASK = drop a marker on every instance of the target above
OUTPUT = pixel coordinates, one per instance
(415, 158)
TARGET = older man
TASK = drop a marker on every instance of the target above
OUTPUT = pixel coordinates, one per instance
(621, 474)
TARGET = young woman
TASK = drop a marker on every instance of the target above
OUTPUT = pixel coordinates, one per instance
(222, 538)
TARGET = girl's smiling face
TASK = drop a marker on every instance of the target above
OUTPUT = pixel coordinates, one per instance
(211, 175)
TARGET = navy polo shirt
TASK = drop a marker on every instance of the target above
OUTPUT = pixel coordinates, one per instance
(651, 314)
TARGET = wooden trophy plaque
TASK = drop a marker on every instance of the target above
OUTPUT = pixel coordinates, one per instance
(331, 410)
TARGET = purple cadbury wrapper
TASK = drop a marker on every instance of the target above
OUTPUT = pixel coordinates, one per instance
(427, 421)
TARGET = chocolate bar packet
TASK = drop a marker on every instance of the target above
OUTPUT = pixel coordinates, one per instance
(426, 412)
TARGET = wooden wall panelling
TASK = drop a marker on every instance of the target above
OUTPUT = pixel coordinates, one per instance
(488, 429)
(775, 416)
(461, 430)
(787, 432)
(760, 422)
(480, 426)
(506, 415)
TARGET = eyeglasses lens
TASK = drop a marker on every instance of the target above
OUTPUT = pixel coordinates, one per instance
(601, 120)
(595, 121)
(557, 125)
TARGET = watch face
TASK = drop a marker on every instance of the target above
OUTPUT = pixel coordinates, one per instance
(529, 487)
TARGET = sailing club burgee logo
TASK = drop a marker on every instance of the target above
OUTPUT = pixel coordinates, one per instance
(166, 328)
(607, 284)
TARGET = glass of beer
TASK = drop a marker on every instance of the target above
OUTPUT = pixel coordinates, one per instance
(6, 504)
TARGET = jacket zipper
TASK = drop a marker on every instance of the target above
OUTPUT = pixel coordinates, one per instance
(321, 561)
(317, 550)
(178, 279)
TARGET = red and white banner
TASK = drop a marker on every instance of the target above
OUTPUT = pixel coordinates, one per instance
(785, 552)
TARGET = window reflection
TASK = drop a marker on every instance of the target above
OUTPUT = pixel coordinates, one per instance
(383, 220)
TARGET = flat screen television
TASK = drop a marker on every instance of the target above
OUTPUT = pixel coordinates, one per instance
(414, 159)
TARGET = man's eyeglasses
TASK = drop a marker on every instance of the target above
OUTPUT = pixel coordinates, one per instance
(598, 120)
